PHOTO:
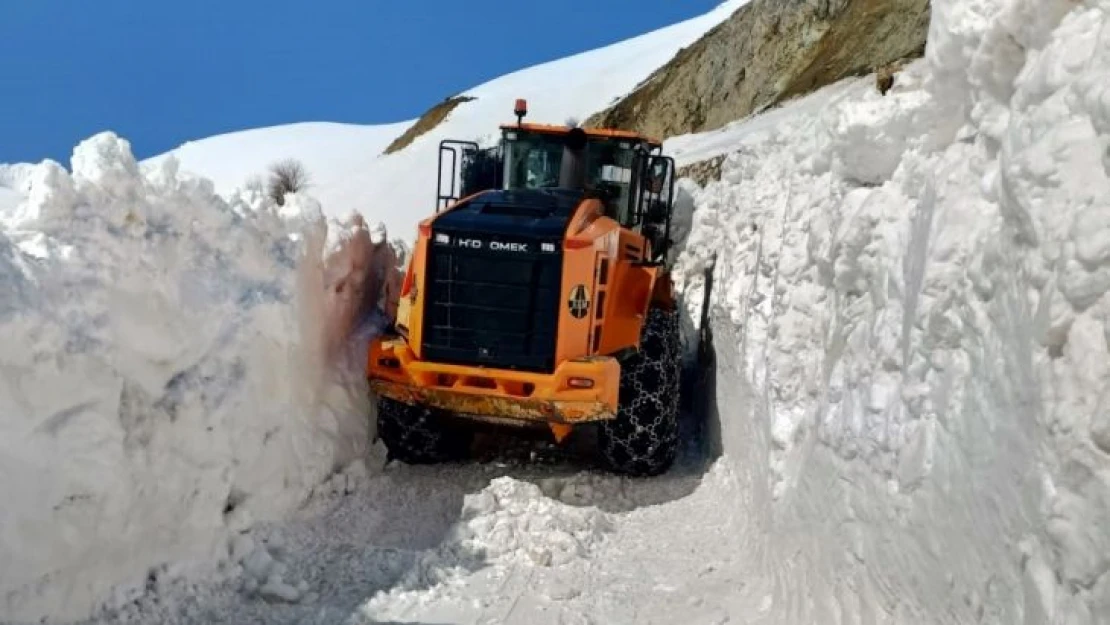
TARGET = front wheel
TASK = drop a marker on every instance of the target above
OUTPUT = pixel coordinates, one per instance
(419, 435)
(643, 438)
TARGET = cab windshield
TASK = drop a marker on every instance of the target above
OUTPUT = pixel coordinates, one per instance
(533, 160)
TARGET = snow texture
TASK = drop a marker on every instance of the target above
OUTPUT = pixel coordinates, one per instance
(164, 377)
(509, 523)
(916, 291)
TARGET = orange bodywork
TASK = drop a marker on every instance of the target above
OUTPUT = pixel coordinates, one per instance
(481, 392)
(601, 254)
(598, 256)
(590, 132)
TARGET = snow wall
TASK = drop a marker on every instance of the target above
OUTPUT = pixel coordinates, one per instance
(912, 327)
(171, 371)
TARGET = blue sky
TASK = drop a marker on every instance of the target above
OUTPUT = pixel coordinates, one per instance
(162, 73)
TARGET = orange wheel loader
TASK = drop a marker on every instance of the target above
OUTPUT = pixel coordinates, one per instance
(538, 294)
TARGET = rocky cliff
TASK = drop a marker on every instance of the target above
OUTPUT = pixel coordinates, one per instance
(767, 52)
(428, 121)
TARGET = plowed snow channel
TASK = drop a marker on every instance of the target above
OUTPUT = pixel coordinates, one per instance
(905, 422)
(494, 542)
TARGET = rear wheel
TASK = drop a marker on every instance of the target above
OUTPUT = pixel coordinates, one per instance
(419, 435)
(643, 438)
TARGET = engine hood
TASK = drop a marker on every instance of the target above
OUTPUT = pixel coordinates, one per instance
(527, 213)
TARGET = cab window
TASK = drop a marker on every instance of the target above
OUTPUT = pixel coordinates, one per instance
(609, 166)
(532, 161)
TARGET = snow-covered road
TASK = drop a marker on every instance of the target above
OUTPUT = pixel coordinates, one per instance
(523, 534)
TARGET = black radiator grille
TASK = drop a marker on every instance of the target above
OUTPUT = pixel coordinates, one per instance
(492, 302)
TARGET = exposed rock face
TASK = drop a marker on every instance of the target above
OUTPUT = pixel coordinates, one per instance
(703, 172)
(428, 121)
(769, 51)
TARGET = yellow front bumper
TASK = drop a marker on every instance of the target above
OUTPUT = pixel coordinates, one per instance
(479, 392)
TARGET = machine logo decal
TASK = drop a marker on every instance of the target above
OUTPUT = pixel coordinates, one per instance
(579, 303)
(493, 246)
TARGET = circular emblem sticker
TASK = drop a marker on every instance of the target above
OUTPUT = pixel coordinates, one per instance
(579, 302)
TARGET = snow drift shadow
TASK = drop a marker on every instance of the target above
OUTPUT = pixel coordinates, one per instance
(363, 534)
(379, 537)
(501, 522)
(571, 474)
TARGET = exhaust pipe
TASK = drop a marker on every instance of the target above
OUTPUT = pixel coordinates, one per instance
(572, 172)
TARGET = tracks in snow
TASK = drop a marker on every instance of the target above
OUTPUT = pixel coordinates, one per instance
(524, 539)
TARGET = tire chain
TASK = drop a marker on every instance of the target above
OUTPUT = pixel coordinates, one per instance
(643, 439)
(414, 435)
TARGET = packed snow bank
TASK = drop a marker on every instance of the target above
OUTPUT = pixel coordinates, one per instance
(12, 181)
(912, 291)
(165, 377)
(508, 524)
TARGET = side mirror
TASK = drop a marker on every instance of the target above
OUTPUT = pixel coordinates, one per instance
(656, 212)
(656, 175)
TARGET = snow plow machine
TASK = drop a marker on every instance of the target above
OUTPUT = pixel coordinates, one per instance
(538, 295)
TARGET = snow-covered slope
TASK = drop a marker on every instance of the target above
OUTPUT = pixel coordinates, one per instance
(333, 154)
(346, 162)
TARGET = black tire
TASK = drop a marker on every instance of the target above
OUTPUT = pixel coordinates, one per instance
(642, 440)
(419, 435)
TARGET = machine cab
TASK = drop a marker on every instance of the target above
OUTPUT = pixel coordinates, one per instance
(624, 170)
